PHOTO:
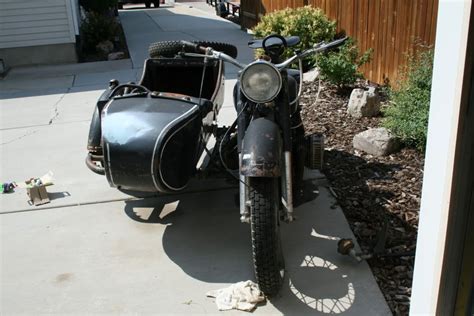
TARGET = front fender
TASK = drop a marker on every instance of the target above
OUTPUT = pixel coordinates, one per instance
(261, 149)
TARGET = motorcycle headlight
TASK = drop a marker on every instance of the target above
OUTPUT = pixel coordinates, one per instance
(260, 82)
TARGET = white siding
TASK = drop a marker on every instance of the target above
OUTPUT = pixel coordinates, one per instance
(36, 22)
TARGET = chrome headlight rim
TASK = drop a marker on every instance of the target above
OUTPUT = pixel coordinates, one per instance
(272, 68)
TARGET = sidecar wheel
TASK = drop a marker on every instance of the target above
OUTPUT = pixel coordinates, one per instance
(169, 49)
(265, 229)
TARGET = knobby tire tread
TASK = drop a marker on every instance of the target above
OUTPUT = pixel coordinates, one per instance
(169, 49)
(266, 246)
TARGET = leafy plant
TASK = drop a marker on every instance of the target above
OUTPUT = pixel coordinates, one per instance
(97, 28)
(98, 6)
(407, 114)
(309, 23)
(341, 67)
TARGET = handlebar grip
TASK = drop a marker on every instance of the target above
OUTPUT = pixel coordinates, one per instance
(193, 47)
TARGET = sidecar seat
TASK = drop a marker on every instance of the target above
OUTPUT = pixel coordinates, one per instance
(184, 76)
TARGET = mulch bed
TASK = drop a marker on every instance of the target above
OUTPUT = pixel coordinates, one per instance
(370, 189)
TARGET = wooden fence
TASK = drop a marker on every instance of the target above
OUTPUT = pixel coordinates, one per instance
(392, 28)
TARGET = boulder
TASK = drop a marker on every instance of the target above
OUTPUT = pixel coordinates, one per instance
(364, 103)
(105, 47)
(376, 141)
(311, 75)
(116, 56)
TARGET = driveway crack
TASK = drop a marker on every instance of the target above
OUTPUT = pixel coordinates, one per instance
(56, 107)
(20, 137)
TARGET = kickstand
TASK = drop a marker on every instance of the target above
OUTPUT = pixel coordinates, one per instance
(346, 246)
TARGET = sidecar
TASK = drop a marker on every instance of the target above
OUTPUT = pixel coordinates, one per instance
(149, 136)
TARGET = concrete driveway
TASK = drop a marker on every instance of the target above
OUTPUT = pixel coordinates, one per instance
(95, 250)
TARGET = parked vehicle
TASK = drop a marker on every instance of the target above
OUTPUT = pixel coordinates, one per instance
(150, 136)
(156, 4)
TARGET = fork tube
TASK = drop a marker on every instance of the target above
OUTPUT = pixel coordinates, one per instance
(284, 109)
(288, 186)
(244, 209)
(242, 121)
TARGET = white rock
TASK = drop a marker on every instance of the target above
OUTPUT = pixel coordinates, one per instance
(376, 141)
(116, 56)
(311, 75)
(364, 103)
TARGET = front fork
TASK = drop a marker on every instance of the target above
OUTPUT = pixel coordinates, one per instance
(283, 103)
(243, 198)
(284, 118)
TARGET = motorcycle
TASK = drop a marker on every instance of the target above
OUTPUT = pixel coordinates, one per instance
(150, 136)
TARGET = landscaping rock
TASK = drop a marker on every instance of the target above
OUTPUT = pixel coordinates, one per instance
(116, 56)
(376, 141)
(311, 75)
(364, 103)
(105, 47)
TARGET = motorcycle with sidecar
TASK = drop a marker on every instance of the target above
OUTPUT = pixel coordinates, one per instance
(150, 136)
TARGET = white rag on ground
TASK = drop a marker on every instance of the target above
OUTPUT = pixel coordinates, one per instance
(242, 295)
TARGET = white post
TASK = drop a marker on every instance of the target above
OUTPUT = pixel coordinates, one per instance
(450, 55)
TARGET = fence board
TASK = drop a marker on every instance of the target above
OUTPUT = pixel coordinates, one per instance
(392, 28)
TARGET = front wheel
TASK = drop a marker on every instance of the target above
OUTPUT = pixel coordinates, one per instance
(265, 229)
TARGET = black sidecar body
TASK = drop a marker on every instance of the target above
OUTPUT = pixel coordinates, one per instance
(150, 139)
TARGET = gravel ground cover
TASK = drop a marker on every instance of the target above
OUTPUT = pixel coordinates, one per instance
(371, 190)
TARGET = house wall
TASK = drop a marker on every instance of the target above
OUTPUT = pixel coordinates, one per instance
(45, 29)
(444, 206)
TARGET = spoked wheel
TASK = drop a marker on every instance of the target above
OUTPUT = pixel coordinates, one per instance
(268, 259)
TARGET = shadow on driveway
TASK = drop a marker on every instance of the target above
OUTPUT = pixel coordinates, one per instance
(205, 238)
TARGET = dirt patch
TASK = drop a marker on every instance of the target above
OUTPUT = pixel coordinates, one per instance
(370, 190)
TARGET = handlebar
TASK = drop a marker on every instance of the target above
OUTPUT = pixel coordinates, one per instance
(208, 52)
(316, 49)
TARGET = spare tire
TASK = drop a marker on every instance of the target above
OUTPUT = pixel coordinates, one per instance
(169, 49)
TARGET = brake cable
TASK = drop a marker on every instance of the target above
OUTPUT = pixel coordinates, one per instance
(222, 141)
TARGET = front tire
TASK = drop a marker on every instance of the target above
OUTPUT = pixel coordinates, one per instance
(265, 229)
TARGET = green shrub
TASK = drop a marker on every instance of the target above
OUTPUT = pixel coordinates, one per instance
(407, 114)
(310, 24)
(97, 28)
(99, 6)
(341, 66)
